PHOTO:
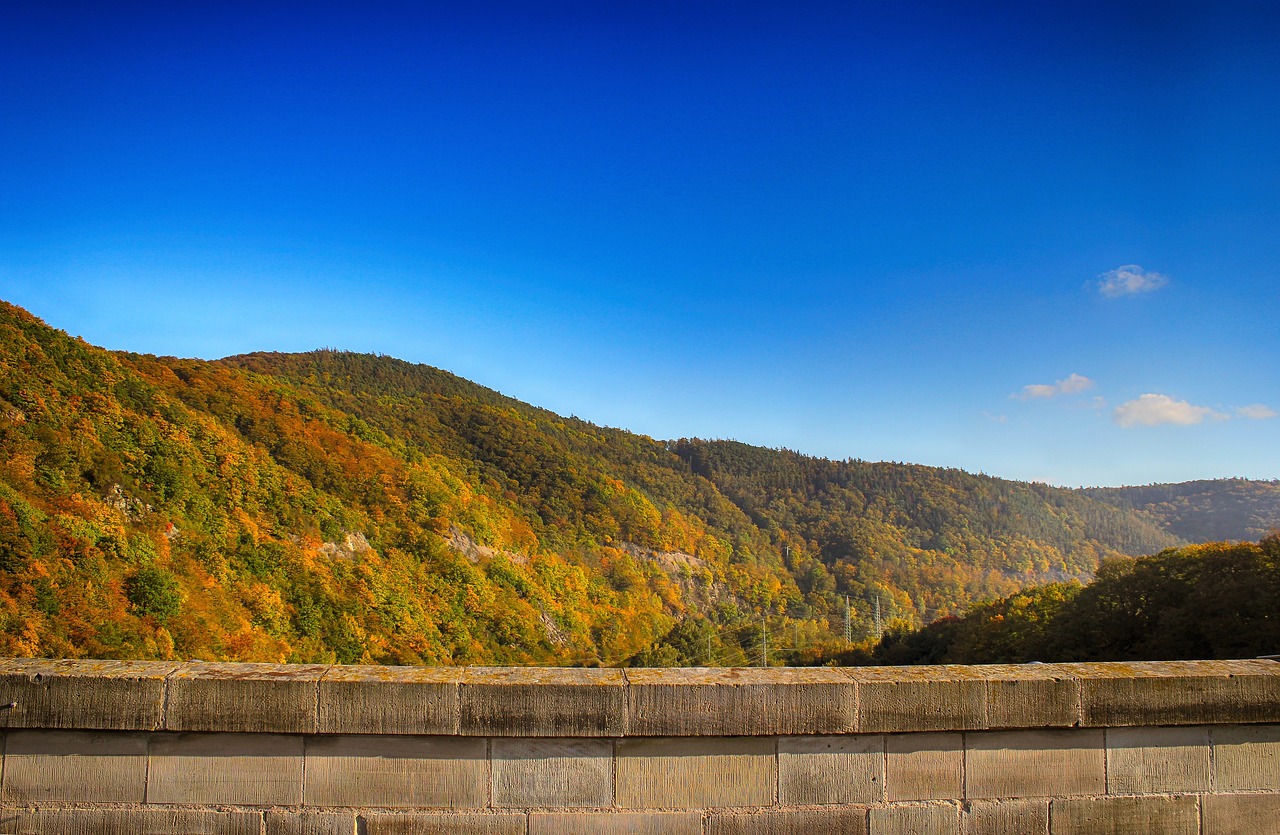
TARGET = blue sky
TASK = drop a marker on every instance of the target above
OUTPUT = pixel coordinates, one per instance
(1040, 241)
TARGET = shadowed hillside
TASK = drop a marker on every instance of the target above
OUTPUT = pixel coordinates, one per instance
(1217, 600)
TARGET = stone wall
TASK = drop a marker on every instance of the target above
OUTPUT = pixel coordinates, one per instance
(142, 747)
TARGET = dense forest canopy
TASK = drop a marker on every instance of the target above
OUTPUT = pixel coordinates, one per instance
(332, 506)
(1203, 511)
(1218, 600)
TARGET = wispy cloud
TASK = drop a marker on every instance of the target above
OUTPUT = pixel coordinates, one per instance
(1074, 384)
(1256, 412)
(1157, 409)
(1129, 280)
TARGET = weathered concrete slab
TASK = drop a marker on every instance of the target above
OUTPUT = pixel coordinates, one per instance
(740, 702)
(257, 698)
(1153, 760)
(695, 772)
(1124, 816)
(1005, 817)
(844, 821)
(115, 695)
(926, 698)
(389, 700)
(1031, 696)
(531, 701)
(226, 768)
(1246, 757)
(446, 823)
(1035, 763)
(924, 766)
(552, 772)
(311, 823)
(916, 819)
(75, 766)
(129, 822)
(1152, 693)
(615, 823)
(817, 770)
(396, 771)
(1240, 814)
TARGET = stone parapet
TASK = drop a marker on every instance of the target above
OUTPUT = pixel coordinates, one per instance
(537, 702)
(106, 747)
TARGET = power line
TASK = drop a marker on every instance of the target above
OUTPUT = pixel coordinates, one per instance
(764, 643)
(848, 621)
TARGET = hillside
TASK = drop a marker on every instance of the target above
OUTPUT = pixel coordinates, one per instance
(1204, 511)
(342, 507)
(1201, 601)
(925, 537)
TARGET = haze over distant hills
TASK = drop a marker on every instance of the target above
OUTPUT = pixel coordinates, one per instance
(331, 506)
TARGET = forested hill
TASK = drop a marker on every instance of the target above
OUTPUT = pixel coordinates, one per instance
(1216, 600)
(933, 535)
(1204, 511)
(334, 506)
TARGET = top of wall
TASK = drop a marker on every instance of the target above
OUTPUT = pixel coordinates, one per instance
(527, 701)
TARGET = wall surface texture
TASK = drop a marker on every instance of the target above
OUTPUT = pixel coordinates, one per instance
(257, 749)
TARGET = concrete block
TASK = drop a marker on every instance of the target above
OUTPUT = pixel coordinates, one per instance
(1005, 817)
(1009, 764)
(1240, 814)
(1151, 760)
(240, 769)
(615, 823)
(924, 766)
(311, 823)
(932, 819)
(552, 772)
(695, 772)
(1031, 696)
(112, 695)
(136, 821)
(446, 823)
(740, 702)
(396, 771)
(257, 698)
(840, 821)
(815, 770)
(1178, 692)
(1246, 757)
(530, 701)
(389, 700)
(1152, 815)
(893, 699)
(75, 766)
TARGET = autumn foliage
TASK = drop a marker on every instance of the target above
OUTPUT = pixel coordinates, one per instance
(350, 508)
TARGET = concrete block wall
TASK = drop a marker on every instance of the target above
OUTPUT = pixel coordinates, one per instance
(139, 747)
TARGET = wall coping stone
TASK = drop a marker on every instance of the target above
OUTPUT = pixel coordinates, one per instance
(614, 703)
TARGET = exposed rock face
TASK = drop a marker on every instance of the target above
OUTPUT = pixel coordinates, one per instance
(353, 544)
(696, 578)
(460, 541)
(121, 501)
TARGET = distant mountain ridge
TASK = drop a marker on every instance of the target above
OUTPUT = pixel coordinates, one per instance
(333, 506)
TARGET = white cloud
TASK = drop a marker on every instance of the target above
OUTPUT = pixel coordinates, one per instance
(1129, 280)
(1156, 409)
(1074, 384)
(1256, 412)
